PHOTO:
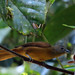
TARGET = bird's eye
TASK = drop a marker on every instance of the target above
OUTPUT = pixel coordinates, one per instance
(62, 48)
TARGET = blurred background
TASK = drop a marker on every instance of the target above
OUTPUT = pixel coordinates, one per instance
(59, 13)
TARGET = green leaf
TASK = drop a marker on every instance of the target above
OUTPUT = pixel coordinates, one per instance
(54, 30)
(19, 22)
(3, 9)
(68, 26)
(3, 24)
(25, 13)
(24, 74)
(33, 10)
(52, 1)
(70, 67)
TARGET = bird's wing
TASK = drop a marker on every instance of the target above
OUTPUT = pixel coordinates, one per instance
(36, 44)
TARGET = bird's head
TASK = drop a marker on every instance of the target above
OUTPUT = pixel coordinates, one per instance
(61, 49)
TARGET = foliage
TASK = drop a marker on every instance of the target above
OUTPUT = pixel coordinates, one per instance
(52, 1)
(68, 26)
(54, 26)
(32, 18)
(23, 14)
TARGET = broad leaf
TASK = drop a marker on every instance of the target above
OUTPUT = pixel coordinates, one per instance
(3, 9)
(33, 10)
(55, 30)
(24, 13)
(3, 24)
(19, 22)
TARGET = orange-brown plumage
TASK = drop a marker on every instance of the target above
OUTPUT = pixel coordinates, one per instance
(39, 51)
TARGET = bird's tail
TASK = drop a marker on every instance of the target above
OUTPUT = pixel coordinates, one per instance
(4, 55)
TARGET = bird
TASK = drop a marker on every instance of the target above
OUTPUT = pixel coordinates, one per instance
(39, 51)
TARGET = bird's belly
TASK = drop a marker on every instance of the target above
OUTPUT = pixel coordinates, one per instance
(39, 57)
(40, 54)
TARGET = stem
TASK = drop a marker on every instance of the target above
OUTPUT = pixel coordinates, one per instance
(33, 38)
(60, 63)
(45, 39)
(6, 2)
(37, 62)
(25, 39)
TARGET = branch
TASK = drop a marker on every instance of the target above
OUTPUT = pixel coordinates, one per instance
(37, 62)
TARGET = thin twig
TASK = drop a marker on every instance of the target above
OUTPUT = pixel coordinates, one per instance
(25, 41)
(33, 38)
(60, 63)
(37, 62)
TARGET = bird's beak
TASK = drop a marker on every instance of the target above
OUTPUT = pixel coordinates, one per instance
(67, 51)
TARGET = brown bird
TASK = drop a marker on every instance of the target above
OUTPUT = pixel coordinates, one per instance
(39, 51)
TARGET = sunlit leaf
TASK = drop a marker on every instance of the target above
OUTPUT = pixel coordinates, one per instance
(24, 74)
(71, 68)
(52, 1)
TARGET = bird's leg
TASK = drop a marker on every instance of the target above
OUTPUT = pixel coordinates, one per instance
(29, 57)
